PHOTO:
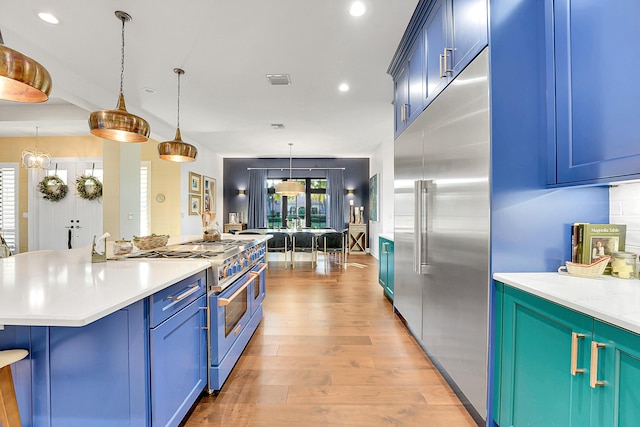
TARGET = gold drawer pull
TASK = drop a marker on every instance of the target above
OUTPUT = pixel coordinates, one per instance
(574, 353)
(593, 379)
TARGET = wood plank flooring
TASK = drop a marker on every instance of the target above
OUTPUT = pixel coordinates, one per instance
(330, 352)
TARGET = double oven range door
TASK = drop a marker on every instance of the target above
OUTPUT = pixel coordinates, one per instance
(232, 309)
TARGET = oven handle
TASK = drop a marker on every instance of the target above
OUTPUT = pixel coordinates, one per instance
(226, 301)
(257, 273)
(185, 294)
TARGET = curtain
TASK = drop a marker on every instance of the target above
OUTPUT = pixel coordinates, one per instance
(335, 199)
(257, 212)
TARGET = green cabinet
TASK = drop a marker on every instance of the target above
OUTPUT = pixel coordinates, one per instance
(559, 367)
(385, 272)
(615, 402)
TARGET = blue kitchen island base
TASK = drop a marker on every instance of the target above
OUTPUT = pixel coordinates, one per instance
(111, 372)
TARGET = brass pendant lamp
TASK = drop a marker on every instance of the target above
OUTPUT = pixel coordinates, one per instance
(119, 125)
(177, 150)
(290, 188)
(21, 78)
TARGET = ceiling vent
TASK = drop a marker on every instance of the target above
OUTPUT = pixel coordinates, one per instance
(277, 126)
(279, 79)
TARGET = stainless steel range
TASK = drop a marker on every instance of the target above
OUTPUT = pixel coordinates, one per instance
(229, 258)
(236, 288)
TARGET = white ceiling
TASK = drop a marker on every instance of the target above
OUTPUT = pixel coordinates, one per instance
(226, 49)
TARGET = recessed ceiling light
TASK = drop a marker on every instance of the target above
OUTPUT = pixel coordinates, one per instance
(149, 90)
(357, 8)
(343, 87)
(47, 17)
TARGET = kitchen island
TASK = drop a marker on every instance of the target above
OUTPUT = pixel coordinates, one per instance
(569, 345)
(110, 344)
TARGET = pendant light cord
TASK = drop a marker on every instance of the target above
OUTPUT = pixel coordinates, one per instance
(122, 58)
(178, 118)
(290, 144)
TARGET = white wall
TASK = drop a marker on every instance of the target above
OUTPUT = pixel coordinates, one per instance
(624, 208)
(207, 163)
(381, 163)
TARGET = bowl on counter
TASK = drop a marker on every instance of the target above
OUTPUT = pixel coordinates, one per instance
(595, 269)
(150, 242)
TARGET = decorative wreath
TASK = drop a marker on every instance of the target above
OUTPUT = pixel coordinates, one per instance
(91, 191)
(53, 188)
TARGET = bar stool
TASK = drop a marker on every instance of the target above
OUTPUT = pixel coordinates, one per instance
(9, 414)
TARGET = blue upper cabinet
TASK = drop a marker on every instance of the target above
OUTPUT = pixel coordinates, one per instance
(596, 133)
(401, 100)
(440, 41)
(469, 24)
(438, 50)
(409, 92)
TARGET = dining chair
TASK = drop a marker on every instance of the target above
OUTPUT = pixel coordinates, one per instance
(279, 242)
(305, 242)
(332, 243)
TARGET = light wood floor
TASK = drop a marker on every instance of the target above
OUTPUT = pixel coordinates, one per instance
(330, 352)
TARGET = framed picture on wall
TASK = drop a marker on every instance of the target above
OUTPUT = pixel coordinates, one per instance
(195, 184)
(373, 198)
(195, 204)
(209, 194)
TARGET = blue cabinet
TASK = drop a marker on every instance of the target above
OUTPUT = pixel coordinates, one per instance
(442, 38)
(469, 30)
(409, 88)
(143, 365)
(438, 51)
(582, 371)
(595, 137)
(178, 363)
(386, 272)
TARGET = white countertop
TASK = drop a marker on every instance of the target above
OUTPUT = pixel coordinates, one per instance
(63, 288)
(388, 236)
(613, 300)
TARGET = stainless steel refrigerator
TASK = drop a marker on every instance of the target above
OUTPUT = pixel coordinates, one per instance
(442, 225)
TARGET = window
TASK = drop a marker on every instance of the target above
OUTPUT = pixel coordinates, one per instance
(9, 205)
(145, 191)
(280, 209)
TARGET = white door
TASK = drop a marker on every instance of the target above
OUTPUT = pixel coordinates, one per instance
(68, 223)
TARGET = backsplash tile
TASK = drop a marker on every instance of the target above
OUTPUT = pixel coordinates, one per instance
(624, 208)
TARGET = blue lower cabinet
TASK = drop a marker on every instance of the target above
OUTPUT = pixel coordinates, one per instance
(120, 370)
(556, 366)
(97, 372)
(178, 354)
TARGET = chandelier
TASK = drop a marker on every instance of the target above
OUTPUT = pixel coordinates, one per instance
(34, 158)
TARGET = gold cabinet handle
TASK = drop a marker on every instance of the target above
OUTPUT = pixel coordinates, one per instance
(593, 379)
(185, 294)
(574, 353)
(440, 64)
(226, 301)
(446, 62)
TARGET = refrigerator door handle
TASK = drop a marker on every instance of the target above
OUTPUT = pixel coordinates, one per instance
(421, 253)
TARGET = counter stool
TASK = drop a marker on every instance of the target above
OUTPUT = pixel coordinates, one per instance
(9, 415)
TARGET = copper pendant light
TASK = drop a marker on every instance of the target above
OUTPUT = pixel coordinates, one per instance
(177, 150)
(21, 78)
(119, 125)
(290, 188)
